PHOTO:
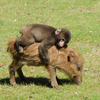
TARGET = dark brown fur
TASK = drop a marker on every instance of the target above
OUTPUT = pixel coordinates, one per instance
(66, 59)
(47, 35)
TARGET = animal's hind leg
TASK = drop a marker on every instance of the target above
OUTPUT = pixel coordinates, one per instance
(20, 73)
(24, 41)
(12, 74)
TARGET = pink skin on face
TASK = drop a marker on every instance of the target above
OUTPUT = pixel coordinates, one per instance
(61, 43)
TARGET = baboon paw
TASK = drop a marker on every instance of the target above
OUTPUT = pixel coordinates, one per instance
(21, 51)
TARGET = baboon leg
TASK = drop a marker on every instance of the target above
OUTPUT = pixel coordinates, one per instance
(53, 77)
(24, 41)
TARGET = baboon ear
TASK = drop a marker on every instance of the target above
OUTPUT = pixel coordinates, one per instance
(71, 56)
(57, 31)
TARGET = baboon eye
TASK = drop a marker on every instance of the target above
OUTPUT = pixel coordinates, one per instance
(63, 39)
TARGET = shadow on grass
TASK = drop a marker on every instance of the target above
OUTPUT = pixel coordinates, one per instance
(37, 81)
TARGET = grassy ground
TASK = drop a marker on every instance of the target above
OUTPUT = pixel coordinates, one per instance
(82, 18)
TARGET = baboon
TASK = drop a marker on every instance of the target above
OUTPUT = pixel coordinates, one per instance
(46, 35)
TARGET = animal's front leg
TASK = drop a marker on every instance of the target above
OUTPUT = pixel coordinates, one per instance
(52, 74)
(43, 50)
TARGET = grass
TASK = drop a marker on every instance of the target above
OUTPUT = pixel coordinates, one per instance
(82, 18)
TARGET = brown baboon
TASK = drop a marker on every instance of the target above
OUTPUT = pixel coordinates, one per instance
(46, 35)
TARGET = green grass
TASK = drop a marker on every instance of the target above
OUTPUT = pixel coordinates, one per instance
(82, 18)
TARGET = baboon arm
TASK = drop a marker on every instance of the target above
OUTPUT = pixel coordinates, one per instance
(43, 50)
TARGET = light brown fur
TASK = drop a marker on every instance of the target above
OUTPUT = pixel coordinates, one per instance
(24, 29)
(66, 59)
